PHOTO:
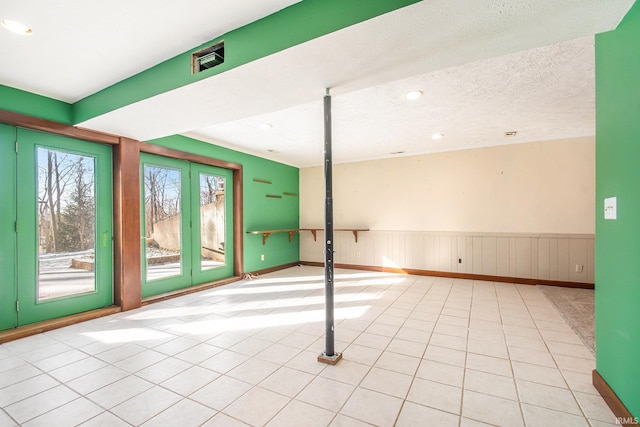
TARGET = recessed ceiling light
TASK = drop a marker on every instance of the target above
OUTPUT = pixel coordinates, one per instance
(437, 136)
(510, 133)
(266, 126)
(273, 151)
(16, 27)
(414, 94)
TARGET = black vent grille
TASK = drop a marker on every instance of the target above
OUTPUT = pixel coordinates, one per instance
(207, 58)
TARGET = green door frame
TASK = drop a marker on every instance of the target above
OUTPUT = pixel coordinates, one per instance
(190, 272)
(32, 309)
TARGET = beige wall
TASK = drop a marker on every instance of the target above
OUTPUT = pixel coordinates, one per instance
(524, 210)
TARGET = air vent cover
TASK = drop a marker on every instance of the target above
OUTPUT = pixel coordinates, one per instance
(207, 58)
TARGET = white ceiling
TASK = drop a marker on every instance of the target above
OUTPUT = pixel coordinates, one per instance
(485, 67)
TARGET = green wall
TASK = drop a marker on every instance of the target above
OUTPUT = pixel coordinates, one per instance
(19, 101)
(260, 212)
(301, 22)
(618, 241)
(7, 227)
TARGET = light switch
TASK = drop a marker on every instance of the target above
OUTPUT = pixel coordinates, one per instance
(610, 208)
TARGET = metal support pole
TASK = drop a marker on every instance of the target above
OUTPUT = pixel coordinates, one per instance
(329, 356)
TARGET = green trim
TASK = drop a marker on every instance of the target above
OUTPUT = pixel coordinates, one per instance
(617, 175)
(299, 23)
(19, 101)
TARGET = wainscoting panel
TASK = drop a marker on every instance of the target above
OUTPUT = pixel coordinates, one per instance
(555, 257)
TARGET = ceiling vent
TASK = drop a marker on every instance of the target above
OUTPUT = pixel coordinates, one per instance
(207, 58)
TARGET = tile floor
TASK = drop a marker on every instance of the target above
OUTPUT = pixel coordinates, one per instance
(418, 351)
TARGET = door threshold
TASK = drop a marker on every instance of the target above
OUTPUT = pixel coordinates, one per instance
(48, 325)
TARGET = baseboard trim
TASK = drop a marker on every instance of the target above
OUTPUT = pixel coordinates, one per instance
(189, 290)
(623, 416)
(272, 269)
(48, 325)
(452, 275)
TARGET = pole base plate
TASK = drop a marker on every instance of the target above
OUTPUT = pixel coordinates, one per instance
(331, 360)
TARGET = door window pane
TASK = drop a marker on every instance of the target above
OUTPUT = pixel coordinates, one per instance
(66, 224)
(212, 221)
(163, 221)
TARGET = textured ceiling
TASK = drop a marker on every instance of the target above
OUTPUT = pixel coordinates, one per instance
(486, 67)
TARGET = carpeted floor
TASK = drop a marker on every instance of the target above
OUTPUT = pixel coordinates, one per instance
(577, 307)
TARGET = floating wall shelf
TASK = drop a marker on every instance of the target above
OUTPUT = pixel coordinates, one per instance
(292, 232)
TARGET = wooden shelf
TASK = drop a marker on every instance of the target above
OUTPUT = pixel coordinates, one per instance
(353, 230)
(266, 233)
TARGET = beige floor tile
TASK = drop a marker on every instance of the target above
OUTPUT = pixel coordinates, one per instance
(491, 410)
(41, 403)
(491, 336)
(448, 341)
(287, 381)
(73, 413)
(198, 353)
(408, 348)
(184, 413)
(398, 363)
(140, 408)
(140, 361)
(175, 346)
(491, 384)
(251, 346)
(487, 348)
(413, 414)
(574, 364)
(119, 391)
(253, 371)
(387, 382)
(190, 380)
(420, 325)
(325, 393)
(580, 382)
(307, 361)
(223, 420)
(297, 414)
(492, 365)
(568, 349)
(224, 361)
(106, 419)
(372, 340)
(415, 335)
(382, 329)
(435, 395)
(538, 374)
(77, 369)
(298, 340)
(445, 355)
(372, 407)
(536, 416)
(221, 392)
(594, 407)
(549, 397)
(467, 422)
(441, 373)
(346, 371)
(534, 357)
(263, 404)
(361, 354)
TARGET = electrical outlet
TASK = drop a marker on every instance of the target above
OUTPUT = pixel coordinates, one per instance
(262, 257)
(459, 260)
(579, 268)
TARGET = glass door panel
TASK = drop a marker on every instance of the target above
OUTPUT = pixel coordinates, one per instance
(166, 238)
(212, 221)
(163, 220)
(66, 223)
